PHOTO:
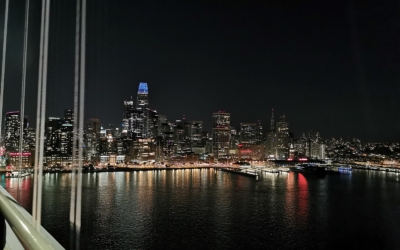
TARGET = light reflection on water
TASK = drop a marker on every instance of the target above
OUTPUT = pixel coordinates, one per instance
(213, 209)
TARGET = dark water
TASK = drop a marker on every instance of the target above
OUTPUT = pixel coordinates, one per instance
(201, 209)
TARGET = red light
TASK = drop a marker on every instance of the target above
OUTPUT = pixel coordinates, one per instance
(290, 159)
(303, 159)
(23, 154)
(246, 151)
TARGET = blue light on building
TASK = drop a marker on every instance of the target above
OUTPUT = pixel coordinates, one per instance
(143, 88)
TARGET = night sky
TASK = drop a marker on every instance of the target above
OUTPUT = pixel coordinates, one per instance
(331, 67)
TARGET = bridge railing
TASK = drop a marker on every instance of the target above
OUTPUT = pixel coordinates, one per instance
(21, 226)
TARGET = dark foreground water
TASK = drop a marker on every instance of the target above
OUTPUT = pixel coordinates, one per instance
(203, 209)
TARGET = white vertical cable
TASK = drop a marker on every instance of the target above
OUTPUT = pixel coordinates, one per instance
(3, 68)
(43, 113)
(39, 101)
(22, 111)
(75, 129)
(81, 115)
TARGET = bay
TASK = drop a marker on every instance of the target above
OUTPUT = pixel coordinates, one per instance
(207, 209)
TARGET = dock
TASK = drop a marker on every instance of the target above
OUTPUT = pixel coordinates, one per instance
(250, 173)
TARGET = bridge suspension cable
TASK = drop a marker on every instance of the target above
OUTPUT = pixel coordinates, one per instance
(43, 85)
(22, 111)
(3, 68)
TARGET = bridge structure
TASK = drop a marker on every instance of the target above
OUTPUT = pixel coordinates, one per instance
(18, 228)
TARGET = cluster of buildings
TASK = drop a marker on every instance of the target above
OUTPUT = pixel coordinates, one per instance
(147, 137)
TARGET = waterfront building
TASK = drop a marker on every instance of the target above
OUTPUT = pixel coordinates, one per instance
(221, 135)
(59, 139)
(11, 140)
(12, 130)
(250, 152)
(250, 145)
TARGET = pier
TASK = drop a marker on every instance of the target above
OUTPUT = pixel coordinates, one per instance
(251, 173)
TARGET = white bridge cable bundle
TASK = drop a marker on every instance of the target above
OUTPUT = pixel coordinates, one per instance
(43, 112)
(81, 115)
(79, 109)
(42, 84)
(22, 112)
(76, 102)
(38, 115)
(3, 68)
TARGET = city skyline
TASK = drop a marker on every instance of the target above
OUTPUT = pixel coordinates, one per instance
(215, 56)
(142, 103)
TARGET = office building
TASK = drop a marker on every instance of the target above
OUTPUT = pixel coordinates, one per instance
(142, 104)
(282, 138)
(92, 138)
(221, 135)
(271, 140)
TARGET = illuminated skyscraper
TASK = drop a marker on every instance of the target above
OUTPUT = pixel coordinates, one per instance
(152, 124)
(142, 104)
(133, 121)
(53, 136)
(271, 140)
(282, 136)
(67, 132)
(248, 133)
(92, 138)
(142, 101)
(221, 132)
(12, 130)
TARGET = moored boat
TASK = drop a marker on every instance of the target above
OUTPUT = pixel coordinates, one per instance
(309, 168)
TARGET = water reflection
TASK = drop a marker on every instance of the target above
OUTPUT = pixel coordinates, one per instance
(297, 198)
(208, 209)
(303, 197)
(20, 189)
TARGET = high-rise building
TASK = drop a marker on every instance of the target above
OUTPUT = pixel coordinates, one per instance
(162, 119)
(271, 140)
(53, 136)
(12, 131)
(142, 104)
(92, 138)
(282, 135)
(11, 135)
(142, 101)
(250, 146)
(247, 133)
(196, 129)
(133, 122)
(67, 128)
(152, 124)
(221, 132)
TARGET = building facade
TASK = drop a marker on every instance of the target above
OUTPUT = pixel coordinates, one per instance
(221, 135)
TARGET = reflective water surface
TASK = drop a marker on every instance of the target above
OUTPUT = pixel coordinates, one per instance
(218, 210)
